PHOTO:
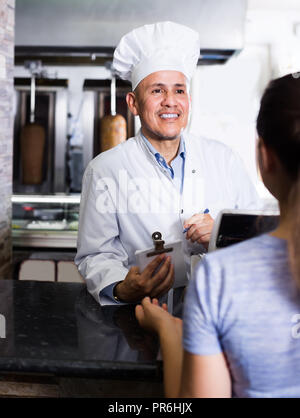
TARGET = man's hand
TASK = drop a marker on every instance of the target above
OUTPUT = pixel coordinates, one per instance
(136, 285)
(201, 226)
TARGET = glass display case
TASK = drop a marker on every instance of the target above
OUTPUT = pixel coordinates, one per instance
(45, 221)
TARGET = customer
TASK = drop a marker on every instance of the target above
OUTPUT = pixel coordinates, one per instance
(240, 333)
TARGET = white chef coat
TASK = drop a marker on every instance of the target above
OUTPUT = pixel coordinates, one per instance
(126, 196)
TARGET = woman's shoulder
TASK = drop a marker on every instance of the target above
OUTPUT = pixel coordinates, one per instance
(245, 256)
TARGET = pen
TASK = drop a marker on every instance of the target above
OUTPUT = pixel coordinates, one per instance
(186, 229)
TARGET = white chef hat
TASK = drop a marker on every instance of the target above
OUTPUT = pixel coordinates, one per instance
(157, 47)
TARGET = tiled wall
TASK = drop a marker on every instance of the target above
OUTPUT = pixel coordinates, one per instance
(7, 22)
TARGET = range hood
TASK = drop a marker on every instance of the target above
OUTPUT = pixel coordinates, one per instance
(87, 31)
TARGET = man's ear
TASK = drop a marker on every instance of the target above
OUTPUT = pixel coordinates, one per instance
(132, 103)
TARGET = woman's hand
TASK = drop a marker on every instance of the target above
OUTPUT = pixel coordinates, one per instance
(169, 328)
(157, 319)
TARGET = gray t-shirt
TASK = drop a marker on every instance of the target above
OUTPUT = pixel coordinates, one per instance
(243, 301)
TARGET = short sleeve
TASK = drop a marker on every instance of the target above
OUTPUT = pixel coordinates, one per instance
(200, 334)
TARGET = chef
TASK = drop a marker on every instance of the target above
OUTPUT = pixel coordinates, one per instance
(163, 179)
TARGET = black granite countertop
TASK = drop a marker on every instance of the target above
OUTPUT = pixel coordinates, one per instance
(59, 329)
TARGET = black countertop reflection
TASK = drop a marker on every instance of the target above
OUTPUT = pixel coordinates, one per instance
(58, 328)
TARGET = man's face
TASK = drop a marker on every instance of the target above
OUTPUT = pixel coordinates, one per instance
(161, 100)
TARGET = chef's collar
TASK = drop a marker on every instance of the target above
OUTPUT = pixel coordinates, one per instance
(181, 150)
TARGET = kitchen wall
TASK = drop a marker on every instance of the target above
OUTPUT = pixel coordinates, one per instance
(226, 98)
(6, 130)
(225, 102)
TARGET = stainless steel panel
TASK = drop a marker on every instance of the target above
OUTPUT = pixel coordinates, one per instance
(88, 123)
(103, 22)
(47, 239)
(60, 141)
(55, 177)
(22, 93)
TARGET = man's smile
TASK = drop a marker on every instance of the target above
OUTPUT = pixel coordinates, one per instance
(169, 116)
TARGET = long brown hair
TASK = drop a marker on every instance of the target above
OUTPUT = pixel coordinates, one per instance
(278, 124)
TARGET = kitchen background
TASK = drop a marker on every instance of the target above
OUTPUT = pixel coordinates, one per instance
(67, 46)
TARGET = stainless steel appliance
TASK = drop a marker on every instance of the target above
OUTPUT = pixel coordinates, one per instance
(96, 104)
(51, 113)
(44, 235)
(45, 221)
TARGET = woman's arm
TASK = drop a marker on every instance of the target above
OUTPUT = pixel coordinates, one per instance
(170, 338)
(185, 374)
(169, 329)
(205, 376)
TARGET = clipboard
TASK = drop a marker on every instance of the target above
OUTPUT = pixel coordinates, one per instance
(173, 249)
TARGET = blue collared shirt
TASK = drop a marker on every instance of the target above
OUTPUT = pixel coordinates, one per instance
(176, 167)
